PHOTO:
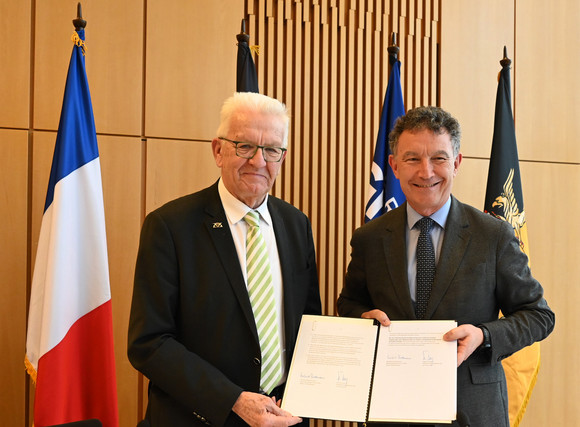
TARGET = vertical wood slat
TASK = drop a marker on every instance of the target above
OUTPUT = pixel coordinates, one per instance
(320, 227)
(269, 53)
(328, 61)
(14, 155)
(286, 174)
(418, 65)
(306, 169)
(279, 59)
(332, 148)
(434, 64)
(314, 130)
(259, 34)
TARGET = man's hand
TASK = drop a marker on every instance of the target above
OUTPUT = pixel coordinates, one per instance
(261, 411)
(468, 337)
(378, 315)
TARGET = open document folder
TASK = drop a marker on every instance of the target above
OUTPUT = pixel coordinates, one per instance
(354, 370)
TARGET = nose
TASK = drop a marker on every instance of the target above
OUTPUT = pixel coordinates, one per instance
(258, 159)
(425, 169)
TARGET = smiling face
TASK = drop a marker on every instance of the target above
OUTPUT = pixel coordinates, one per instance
(249, 180)
(425, 166)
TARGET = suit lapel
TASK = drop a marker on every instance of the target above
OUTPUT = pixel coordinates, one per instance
(219, 231)
(285, 254)
(455, 242)
(396, 260)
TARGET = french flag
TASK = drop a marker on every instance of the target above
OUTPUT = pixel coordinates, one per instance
(69, 347)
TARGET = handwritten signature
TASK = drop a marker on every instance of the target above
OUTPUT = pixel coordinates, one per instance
(398, 357)
(341, 379)
(310, 376)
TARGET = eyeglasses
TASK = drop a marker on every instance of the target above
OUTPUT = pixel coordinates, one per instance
(245, 150)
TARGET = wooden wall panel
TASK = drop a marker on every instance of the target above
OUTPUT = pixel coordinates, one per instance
(53, 29)
(548, 99)
(554, 251)
(114, 46)
(121, 157)
(547, 95)
(114, 64)
(15, 39)
(473, 35)
(13, 273)
(177, 168)
(469, 186)
(42, 152)
(190, 65)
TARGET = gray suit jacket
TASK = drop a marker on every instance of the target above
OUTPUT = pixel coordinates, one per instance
(191, 330)
(481, 271)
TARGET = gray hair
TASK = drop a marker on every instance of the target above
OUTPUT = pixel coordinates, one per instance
(250, 101)
(434, 119)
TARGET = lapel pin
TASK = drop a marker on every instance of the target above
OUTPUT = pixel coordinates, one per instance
(217, 225)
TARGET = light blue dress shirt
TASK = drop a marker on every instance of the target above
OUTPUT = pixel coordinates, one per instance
(412, 235)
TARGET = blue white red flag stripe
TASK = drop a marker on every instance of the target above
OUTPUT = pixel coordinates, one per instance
(69, 347)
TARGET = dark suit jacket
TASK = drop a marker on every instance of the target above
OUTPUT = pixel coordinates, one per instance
(481, 270)
(191, 329)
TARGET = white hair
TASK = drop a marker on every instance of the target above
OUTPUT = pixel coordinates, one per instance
(250, 101)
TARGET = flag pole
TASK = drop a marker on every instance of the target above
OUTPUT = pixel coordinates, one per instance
(505, 62)
(393, 49)
(243, 36)
(79, 22)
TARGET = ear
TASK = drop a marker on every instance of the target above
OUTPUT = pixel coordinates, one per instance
(456, 163)
(394, 166)
(217, 147)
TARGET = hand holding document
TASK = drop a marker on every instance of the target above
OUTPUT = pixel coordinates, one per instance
(330, 373)
(352, 370)
(415, 373)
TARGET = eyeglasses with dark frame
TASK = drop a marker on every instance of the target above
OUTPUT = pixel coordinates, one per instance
(245, 150)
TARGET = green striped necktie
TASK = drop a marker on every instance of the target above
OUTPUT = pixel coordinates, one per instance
(261, 290)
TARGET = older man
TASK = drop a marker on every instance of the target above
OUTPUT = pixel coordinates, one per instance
(223, 277)
(437, 258)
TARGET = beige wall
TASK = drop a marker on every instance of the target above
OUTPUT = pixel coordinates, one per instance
(159, 70)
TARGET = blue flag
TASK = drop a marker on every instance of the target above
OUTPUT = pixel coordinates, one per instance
(76, 140)
(385, 190)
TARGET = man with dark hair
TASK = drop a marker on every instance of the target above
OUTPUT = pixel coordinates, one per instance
(437, 258)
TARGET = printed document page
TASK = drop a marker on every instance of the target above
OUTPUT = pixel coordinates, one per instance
(331, 369)
(415, 373)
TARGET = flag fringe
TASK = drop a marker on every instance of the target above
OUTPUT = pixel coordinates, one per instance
(77, 41)
(30, 369)
(526, 400)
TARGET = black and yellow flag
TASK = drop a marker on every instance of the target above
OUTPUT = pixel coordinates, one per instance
(246, 77)
(504, 200)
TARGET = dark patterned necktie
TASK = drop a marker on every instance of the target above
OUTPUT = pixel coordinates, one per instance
(425, 266)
